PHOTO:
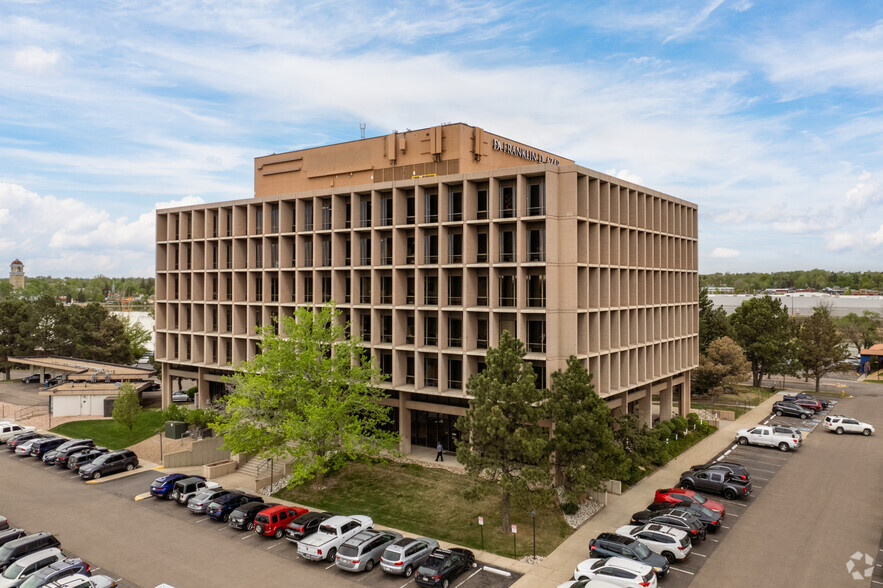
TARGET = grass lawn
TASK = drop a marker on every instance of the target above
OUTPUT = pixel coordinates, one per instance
(740, 400)
(430, 502)
(111, 434)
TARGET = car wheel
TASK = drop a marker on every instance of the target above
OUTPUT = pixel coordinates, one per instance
(783, 446)
(670, 557)
(743, 441)
(803, 416)
(729, 494)
(839, 430)
(331, 554)
(445, 584)
(130, 467)
(259, 529)
(96, 475)
(173, 495)
(687, 485)
(278, 534)
(369, 565)
(225, 518)
(779, 413)
(249, 527)
(409, 570)
(866, 432)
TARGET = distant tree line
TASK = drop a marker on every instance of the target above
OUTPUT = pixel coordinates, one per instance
(82, 290)
(816, 279)
(45, 327)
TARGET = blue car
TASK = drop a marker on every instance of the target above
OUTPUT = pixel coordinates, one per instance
(162, 487)
(221, 508)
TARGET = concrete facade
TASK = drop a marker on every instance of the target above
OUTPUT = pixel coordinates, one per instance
(431, 243)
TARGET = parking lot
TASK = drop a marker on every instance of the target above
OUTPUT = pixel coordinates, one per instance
(195, 551)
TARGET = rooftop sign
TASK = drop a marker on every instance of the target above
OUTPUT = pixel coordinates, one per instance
(524, 153)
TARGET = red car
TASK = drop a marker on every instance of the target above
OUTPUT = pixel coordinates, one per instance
(273, 521)
(680, 494)
(814, 405)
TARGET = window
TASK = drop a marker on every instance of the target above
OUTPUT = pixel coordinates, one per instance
(455, 248)
(189, 256)
(411, 213)
(365, 212)
(507, 200)
(347, 289)
(214, 351)
(455, 205)
(228, 248)
(229, 223)
(229, 288)
(214, 287)
(481, 248)
(386, 328)
(536, 197)
(539, 368)
(214, 256)
(455, 332)
(308, 288)
(536, 245)
(409, 330)
(481, 202)
(430, 206)
(259, 221)
(386, 368)
(481, 333)
(274, 254)
(326, 215)
(308, 253)
(326, 251)
(409, 251)
(366, 326)
(274, 288)
(507, 290)
(455, 374)
(386, 249)
(365, 290)
(536, 291)
(258, 254)
(348, 251)
(386, 290)
(430, 331)
(274, 219)
(308, 216)
(348, 220)
(215, 225)
(409, 370)
(430, 290)
(386, 210)
(365, 250)
(455, 290)
(430, 371)
(430, 246)
(481, 298)
(507, 246)
(409, 291)
(536, 335)
(326, 288)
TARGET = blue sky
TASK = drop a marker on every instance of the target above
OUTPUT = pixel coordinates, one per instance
(766, 114)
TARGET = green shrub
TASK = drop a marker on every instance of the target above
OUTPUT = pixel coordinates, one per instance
(191, 392)
(570, 508)
(175, 413)
(680, 423)
(692, 419)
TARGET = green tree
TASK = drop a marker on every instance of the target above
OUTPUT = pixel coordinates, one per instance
(127, 407)
(501, 438)
(14, 331)
(861, 331)
(635, 438)
(713, 322)
(584, 452)
(765, 331)
(819, 346)
(310, 397)
(137, 337)
(723, 365)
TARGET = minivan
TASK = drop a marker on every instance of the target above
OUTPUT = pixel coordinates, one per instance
(25, 546)
(20, 569)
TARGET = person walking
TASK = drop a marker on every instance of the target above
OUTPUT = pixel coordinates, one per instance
(439, 456)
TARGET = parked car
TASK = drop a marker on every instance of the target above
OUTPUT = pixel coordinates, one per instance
(110, 463)
(200, 501)
(813, 405)
(273, 521)
(77, 460)
(83, 581)
(162, 486)
(671, 543)
(841, 424)
(33, 379)
(736, 470)
(596, 583)
(443, 566)
(11, 535)
(364, 550)
(618, 570)
(23, 449)
(16, 440)
(44, 446)
(19, 548)
(324, 543)
(675, 495)
(675, 517)
(56, 571)
(405, 555)
(613, 545)
(782, 408)
(805, 396)
(709, 518)
(187, 488)
(716, 482)
(4, 523)
(62, 456)
(787, 430)
(306, 524)
(220, 508)
(16, 572)
(49, 456)
(180, 396)
(243, 517)
(766, 436)
(10, 430)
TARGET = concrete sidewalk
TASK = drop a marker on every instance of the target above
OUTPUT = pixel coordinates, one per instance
(559, 565)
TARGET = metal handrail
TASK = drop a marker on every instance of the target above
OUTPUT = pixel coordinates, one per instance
(32, 411)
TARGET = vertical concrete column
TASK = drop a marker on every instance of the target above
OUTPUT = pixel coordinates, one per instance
(404, 422)
(202, 389)
(665, 400)
(685, 394)
(645, 408)
(166, 391)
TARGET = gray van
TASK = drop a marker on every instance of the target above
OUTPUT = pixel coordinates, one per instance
(27, 545)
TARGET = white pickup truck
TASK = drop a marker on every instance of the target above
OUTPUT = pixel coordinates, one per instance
(9, 430)
(323, 544)
(769, 437)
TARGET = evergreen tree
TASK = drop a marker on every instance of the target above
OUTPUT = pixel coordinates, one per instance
(819, 346)
(713, 322)
(764, 329)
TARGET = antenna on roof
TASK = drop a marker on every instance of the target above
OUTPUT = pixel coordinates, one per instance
(362, 127)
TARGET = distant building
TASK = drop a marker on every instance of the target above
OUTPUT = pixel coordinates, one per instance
(17, 275)
(721, 289)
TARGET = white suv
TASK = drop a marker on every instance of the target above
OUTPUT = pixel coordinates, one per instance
(617, 570)
(673, 544)
(841, 424)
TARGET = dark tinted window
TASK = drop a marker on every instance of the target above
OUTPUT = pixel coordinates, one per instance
(348, 551)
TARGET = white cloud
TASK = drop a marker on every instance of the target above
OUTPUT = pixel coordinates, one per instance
(724, 253)
(864, 193)
(189, 200)
(795, 226)
(35, 60)
(733, 217)
(626, 175)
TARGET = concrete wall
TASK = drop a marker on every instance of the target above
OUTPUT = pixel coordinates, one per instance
(203, 452)
(64, 406)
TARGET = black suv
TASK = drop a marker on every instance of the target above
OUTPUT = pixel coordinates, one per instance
(678, 518)
(782, 408)
(443, 565)
(306, 524)
(44, 446)
(62, 455)
(77, 460)
(110, 463)
(49, 457)
(243, 517)
(613, 545)
(708, 517)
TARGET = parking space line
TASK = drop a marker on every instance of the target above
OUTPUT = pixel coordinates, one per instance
(759, 478)
(95, 570)
(249, 536)
(699, 554)
(201, 520)
(876, 582)
(724, 526)
(272, 546)
(680, 570)
(715, 540)
(223, 529)
(729, 514)
(469, 578)
(329, 567)
(406, 583)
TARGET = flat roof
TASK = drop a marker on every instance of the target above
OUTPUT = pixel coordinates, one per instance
(83, 369)
(82, 389)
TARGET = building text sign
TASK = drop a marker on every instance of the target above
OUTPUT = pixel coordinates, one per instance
(523, 152)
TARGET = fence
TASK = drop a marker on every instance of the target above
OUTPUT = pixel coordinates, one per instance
(202, 452)
(31, 411)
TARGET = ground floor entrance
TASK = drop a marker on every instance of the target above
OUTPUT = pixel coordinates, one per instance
(428, 428)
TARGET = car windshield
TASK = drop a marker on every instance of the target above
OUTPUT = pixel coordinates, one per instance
(33, 581)
(641, 550)
(12, 572)
(430, 566)
(101, 459)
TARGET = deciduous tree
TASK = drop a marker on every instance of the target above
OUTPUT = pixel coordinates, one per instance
(765, 331)
(723, 365)
(819, 346)
(127, 407)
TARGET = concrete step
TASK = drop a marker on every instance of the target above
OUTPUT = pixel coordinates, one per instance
(254, 466)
